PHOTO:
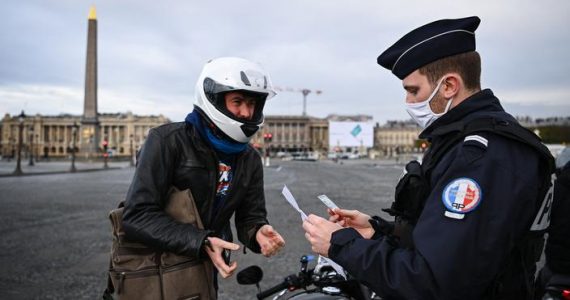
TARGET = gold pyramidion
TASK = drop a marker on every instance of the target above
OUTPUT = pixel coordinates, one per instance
(92, 13)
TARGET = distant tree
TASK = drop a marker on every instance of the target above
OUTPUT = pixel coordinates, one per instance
(554, 134)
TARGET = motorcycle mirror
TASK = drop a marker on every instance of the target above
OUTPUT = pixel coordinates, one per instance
(250, 275)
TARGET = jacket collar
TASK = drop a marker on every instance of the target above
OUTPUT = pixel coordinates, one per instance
(482, 101)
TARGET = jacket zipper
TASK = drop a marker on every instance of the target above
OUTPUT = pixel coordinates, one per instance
(215, 177)
(132, 274)
(154, 270)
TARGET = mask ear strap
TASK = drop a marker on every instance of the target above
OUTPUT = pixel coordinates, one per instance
(435, 90)
(448, 105)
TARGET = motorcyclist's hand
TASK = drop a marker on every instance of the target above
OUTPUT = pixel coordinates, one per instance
(215, 253)
(269, 240)
(353, 219)
(318, 232)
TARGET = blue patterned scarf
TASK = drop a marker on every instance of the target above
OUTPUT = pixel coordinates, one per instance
(219, 144)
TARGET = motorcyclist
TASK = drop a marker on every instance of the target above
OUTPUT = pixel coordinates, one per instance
(209, 154)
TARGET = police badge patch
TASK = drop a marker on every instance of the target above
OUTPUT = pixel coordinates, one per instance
(461, 196)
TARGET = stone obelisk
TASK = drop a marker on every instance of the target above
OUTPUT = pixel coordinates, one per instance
(90, 121)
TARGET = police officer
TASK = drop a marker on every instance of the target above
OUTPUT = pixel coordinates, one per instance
(476, 207)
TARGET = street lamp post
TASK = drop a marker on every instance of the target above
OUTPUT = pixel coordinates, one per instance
(31, 162)
(132, 155)
(37, 147)
(74, 132)
(18, 170)
(105, 153)
(267, 137)
(11, 148)
(117, 146)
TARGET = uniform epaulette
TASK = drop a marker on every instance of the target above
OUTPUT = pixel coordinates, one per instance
(475, 140)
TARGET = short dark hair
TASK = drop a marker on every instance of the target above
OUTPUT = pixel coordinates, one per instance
(467, 65)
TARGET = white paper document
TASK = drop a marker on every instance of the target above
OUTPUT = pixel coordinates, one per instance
(289, 197)
(327, 201)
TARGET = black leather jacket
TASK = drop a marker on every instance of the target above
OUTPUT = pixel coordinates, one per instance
(176, 155)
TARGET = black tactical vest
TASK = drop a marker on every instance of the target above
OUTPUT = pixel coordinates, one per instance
(414, 187)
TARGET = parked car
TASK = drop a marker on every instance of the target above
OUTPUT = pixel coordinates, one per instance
(306, 156)
(333, 155)
(281, 154)
(349, 155)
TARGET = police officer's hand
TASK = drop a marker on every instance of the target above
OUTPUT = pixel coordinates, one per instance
(215, 250)
(318, 232)
(354, 219)
(269, 240)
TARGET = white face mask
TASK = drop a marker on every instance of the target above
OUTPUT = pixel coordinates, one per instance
(421, 111)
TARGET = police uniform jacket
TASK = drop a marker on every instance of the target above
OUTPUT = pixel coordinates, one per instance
(455, 258)
(176, 155)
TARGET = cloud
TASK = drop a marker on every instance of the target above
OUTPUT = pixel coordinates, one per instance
(150, 53)
(41, 99)
(547, 96)
(55, 100)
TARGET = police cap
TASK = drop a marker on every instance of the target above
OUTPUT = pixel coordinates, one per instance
(429, 43)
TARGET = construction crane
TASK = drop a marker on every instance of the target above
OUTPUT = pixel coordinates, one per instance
(303, 91)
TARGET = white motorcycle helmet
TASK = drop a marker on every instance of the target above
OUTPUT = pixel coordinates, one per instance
(226, 74)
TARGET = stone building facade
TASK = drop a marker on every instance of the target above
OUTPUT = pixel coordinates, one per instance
(293, 134)
(53, 136)
(396, 137)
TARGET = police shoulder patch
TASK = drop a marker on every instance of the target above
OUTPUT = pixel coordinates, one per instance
(461, 196)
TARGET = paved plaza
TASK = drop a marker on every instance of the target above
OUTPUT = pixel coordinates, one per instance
(7, 168)
(56, 234)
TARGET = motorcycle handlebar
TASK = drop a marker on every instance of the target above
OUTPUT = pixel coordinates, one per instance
(283, 285)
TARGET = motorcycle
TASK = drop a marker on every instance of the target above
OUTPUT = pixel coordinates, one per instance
(324, 281)
(556, 293)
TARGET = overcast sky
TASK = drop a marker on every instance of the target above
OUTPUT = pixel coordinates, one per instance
(151, 52)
